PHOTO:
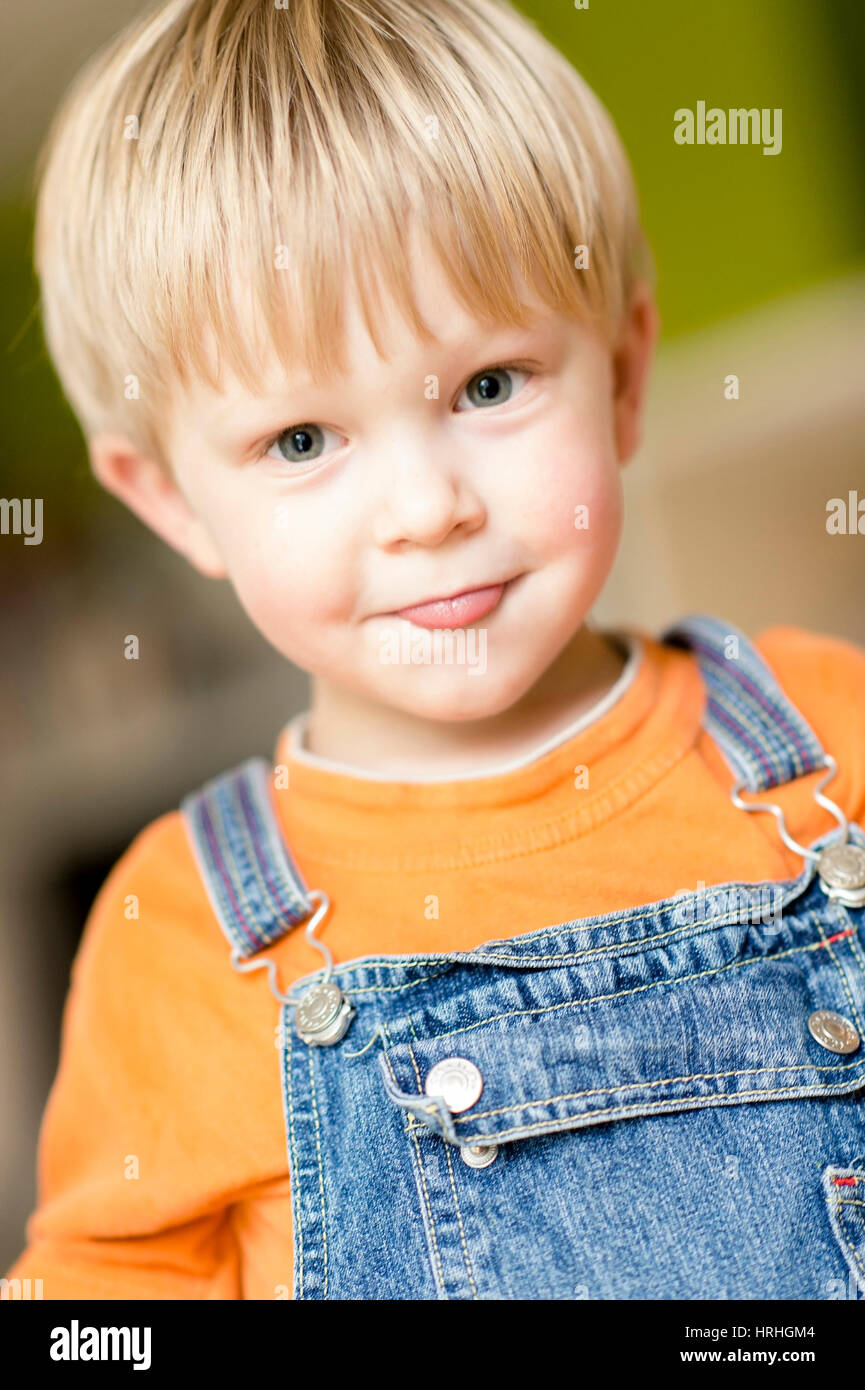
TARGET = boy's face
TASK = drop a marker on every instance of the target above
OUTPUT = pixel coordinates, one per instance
(491, 456)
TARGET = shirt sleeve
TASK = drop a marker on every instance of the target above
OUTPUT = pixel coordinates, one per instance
(141, 1148)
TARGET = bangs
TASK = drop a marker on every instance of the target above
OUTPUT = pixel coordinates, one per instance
(279, 155)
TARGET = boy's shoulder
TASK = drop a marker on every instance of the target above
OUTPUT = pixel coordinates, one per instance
(152, 905)
(824, 678)
(825, 670)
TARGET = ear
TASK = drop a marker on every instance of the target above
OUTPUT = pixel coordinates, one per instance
(147, 489)
(632, 360)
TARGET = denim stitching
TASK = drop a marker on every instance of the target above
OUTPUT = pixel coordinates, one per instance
(293, 1176)
(460, 1221)
(843, 1224)
(794, 890)
(438, 1258)
(318, 1159)
(855, 947)
(451, 1176)
(642, 1086)
(487, 958)
(638, 989)
(644, 941)
(844, 981)
(670, 1104)
(419, 1157)
(466, 1256)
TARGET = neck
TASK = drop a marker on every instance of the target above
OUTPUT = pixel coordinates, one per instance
(397, 743)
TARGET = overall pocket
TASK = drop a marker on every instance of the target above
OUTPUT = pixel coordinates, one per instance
(638, 1142)
(734, 1036)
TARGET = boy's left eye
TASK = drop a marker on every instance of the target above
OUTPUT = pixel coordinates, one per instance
(492, 387)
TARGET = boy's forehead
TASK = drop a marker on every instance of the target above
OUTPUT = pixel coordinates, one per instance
(454, 330)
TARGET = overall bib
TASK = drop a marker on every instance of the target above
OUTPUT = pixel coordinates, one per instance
(664, 1102)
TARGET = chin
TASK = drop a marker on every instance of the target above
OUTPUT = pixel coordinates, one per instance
(460, 697)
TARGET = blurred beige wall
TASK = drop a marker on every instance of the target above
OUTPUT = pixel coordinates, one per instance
(726, 503)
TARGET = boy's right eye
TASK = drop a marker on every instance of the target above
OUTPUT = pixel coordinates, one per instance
(299, 444)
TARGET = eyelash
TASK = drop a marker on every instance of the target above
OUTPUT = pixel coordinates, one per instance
(531, 369)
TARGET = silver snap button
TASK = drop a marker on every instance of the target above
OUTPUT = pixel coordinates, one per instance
(457, 1081)
(478, 1155)
(833, 1031)
(842, 874)
(323, 1014)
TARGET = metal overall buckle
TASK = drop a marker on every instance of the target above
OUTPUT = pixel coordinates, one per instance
(841, 865)
(322, 1013)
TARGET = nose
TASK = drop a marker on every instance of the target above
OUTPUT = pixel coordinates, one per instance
(425, 494)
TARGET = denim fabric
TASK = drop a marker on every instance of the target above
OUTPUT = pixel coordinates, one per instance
(667, 1126)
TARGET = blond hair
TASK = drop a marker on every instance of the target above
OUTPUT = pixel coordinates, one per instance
(283, 143)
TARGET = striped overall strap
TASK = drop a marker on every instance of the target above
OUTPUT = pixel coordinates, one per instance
(762, 735)
(253, 884)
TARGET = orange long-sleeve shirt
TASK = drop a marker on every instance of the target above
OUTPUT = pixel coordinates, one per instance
(162, 1166)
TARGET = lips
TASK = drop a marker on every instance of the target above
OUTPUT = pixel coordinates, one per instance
(457, 611)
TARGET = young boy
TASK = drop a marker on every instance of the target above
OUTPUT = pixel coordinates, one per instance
(354, 306)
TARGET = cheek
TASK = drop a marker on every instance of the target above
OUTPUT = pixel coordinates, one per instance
(574, 497)
(285, 568)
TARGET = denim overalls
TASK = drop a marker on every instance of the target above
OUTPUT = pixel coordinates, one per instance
(664, 1102)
